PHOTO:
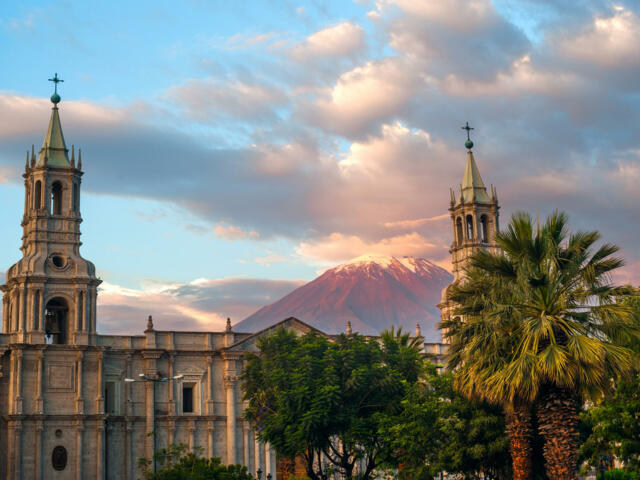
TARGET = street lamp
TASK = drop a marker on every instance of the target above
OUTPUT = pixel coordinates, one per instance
(143, 377)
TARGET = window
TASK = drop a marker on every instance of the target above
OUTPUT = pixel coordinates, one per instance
(484, 223)
(38, 192)
(469, 227)
(110, 398)
(56, 198)
(75, 197)
(459, 230)
(187, 398)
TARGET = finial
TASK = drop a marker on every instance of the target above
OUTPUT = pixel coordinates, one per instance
(349, 331)
(228, 327)
(55, 98)
(33, 156)
(73, 156)
(453, 196)
(418, 331)
(79, 159)
(26, 164)
(468, 143)
(461, 195)
(149, 324)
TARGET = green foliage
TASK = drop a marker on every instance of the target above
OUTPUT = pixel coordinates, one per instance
(542, 312)
(619, 474)
(440, 430)
(613, 424)
(177, 463)
(313, 397)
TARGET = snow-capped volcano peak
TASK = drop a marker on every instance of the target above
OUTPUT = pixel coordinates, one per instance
(373, 292)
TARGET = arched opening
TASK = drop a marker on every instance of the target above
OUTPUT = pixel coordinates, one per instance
(38, 192)
(56, 198)
(55, 323)
(459, 230)
(469, 227)
(484, 224)
(76, 198)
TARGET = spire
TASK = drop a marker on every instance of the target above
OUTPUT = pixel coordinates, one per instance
(53, 146)
(349, 331)
(149, 324)
(418, 331)
(227, 328)
(472, 188)
(33, 156)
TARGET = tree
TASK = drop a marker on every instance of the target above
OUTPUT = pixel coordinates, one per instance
(566, 325)
(438, 429)
(613, 425)
(324, 399)
(177, 463)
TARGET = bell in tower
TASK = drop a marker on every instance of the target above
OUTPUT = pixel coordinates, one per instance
(474, 217)
(50, 294)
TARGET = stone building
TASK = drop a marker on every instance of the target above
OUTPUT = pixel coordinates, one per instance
(67, 409)
(75, 404)
(474, 217)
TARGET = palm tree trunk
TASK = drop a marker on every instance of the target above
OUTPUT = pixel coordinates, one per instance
(520, 431)
(558, 425)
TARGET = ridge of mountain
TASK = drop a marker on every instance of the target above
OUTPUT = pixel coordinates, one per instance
(373, 292)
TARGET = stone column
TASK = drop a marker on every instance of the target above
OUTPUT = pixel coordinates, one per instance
(246, 445)
(171, 387)
(39, 406)
(18, 399)
(5, 314)
(38, 450)
(85, 310)
(171, 427)
(100, 450)
(94, 298)
(128, 387)
(79, 435)
(230, 385)
(150, 419)
(78, 310)
(259, 455)
(80, 395)
(210, 410)
(210, 432)
(99, 386)
(128, 453)
(18, 450)
(192, 434)
(41, 310)
(22, 305)
(270, 460)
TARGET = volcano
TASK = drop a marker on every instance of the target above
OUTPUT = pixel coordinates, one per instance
(372, 292)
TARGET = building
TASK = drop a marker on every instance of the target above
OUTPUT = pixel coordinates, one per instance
(474, 218)
(75, 404)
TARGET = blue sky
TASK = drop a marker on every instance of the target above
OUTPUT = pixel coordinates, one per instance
(234, 150)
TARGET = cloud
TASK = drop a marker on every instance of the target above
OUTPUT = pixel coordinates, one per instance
(201, 305)
(340, 40)
(610, 41)
(232, 232)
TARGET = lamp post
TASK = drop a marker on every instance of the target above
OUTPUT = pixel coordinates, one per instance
(143, 377)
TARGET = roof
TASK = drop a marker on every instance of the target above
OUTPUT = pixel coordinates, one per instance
(249, 343)
(53, 146)
(473, 189)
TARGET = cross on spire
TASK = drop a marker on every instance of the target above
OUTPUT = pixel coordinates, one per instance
(55, 81)
(468, 129)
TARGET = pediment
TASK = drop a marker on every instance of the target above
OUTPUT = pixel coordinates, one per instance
(112, 371)
(248, 344)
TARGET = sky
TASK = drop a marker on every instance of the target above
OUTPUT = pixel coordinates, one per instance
(234, 150)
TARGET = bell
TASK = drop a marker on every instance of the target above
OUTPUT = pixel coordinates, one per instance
(51, 323)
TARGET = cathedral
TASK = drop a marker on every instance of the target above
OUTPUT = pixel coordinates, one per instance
(76, 404)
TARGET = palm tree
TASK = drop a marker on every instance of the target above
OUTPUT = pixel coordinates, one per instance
(560, 324)
(478, 347)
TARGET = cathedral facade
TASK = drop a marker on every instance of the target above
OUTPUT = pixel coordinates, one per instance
(76, 404)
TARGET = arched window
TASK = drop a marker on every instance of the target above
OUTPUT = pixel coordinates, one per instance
(75, 197)
(56, 198)
(484, 223)
(38, 192)
(459, 230)
(469, 227)
(55, 321)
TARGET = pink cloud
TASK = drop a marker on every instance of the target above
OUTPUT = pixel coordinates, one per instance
(342, 39)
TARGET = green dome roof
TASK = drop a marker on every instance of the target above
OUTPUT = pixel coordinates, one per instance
(55, 98)
(468, 144)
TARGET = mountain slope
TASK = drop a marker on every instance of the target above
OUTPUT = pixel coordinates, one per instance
(372, 292)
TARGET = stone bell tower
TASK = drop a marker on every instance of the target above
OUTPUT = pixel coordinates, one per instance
(50, 294)
(474, 217)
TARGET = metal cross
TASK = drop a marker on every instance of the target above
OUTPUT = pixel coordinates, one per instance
(56, 81)
(468, 129)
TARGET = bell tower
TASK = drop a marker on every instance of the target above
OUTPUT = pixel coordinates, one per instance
(474, 217)
(50, 294)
